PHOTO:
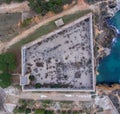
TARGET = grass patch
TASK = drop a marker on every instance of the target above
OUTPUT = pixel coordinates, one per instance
(75, 112)
(5, 80)
(39, 111)
(72, 17)
(64, 112)
(7, 64)
(26, 22)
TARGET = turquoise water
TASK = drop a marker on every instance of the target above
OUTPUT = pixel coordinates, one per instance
(109, 67)
(115, 21)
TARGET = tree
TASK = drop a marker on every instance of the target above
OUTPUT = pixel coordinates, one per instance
(20, 0)
(37, 85)
(7, 62)
(28, 110)
(39, 111)
(43, 7)
(32, 4)
(5, 80)
(8, 1)
(31, 77)
(57, 8)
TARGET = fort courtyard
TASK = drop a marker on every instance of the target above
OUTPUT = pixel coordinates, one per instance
(63, 59)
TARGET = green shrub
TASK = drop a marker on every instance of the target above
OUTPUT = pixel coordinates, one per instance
(31, 77)
(7, 62)
(39, 111)
(5, 80)
(42, 7)
(26, 22)
(44, 12)
(57, 9)
(20, 0)
(28, 110)
(37, 10)
(8, 1)
(75, 112)
(56, 86)
(23, 103)
(21, 110)
(37, 85)
(64, 112)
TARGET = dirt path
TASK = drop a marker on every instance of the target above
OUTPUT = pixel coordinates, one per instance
(56, 96)
(13, 92)
(14, 7)
(79, 6)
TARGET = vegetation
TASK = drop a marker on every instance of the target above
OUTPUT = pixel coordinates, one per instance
(37, 85)
(76, 112)
(9, 1)
(21, 110)
(43, 7)
(39, 111)
(26, 22)
(91, 1)
(49, 112)
(31, 77)
(93, 96)
(7, 64)
(29, 106)
(64, 112)
(23, 102)
(5, 80)
(55, 86)
(28, 110)
(42, 111)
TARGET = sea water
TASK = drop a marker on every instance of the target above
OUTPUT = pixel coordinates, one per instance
(109, 67)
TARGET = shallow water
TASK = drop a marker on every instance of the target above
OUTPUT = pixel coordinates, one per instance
(115, 21)
(109, 67)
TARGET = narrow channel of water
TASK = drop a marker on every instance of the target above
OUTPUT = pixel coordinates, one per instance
(109, 67)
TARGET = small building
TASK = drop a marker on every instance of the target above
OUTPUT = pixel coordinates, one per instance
(59, 22)
(24, 80)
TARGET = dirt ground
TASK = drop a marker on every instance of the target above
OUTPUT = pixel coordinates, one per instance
(14, 7)
(9, 25)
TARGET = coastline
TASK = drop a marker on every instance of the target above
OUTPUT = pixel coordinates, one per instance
(112, 26)
(108, 88)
